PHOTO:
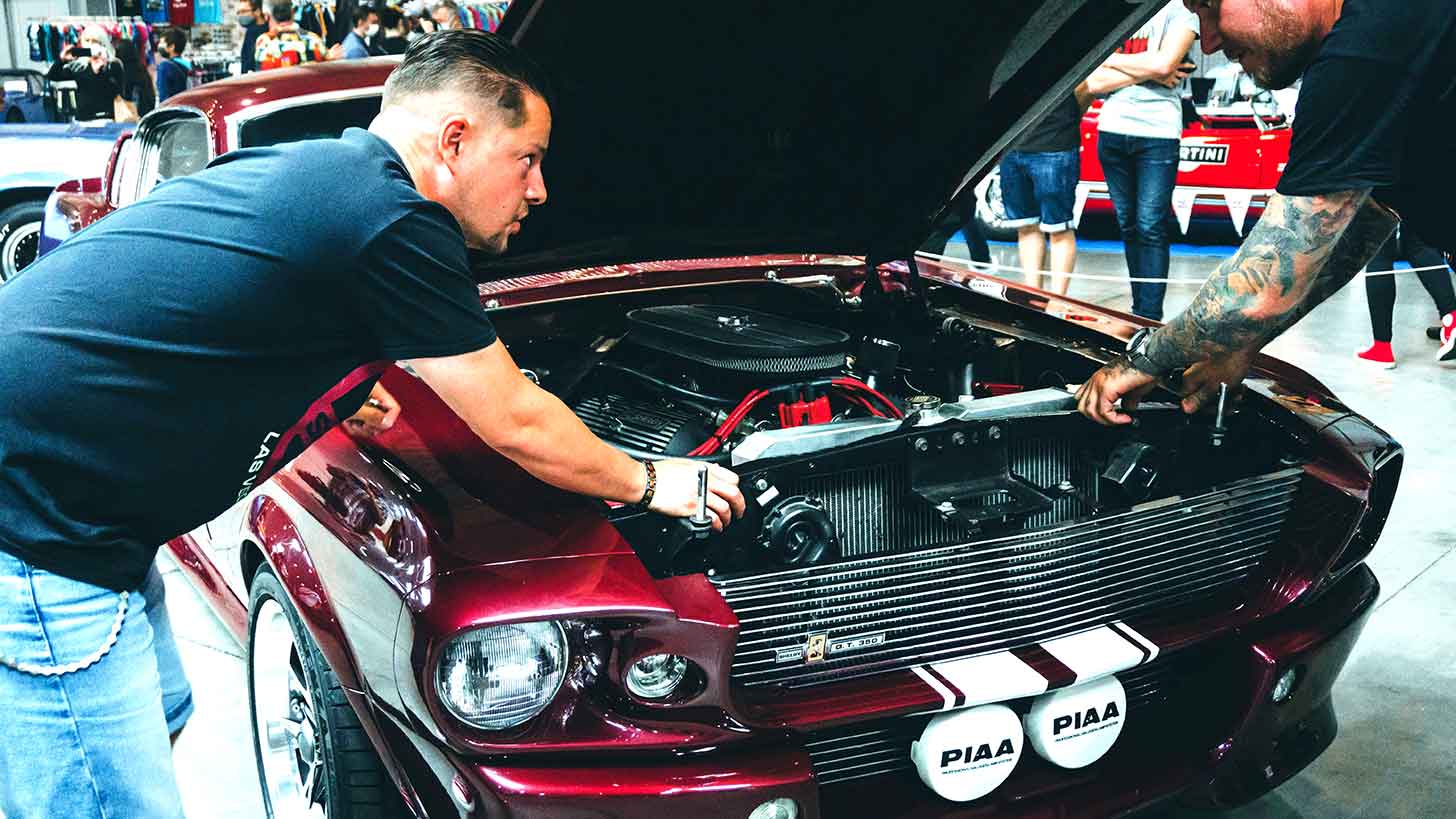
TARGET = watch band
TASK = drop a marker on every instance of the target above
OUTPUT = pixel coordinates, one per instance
(1135, 356)
(651, 489)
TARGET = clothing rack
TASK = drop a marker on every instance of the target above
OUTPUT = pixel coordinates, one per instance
(484, 16)
(48, 36)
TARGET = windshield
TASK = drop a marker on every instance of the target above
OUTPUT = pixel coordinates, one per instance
(316, 120)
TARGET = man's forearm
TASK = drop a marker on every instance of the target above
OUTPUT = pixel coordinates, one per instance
(550, 441)
(1300, 252)
(1148, 65)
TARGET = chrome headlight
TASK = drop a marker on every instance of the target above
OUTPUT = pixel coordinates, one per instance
(500, 676)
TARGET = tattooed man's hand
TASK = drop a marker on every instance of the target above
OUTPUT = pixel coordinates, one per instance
(1303, 249)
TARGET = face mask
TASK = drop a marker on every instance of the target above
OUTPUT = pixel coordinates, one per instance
(372, 30)
(245, 20)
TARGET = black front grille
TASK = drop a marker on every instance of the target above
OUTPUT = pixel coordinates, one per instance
(1001, 593)
(883, 746)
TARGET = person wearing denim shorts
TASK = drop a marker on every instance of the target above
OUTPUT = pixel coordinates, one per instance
(1039, 191)
(1138, 135)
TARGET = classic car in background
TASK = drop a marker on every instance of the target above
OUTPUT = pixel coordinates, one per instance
(34, 159)
(24, 98)
(951, 595)
(1231, 158)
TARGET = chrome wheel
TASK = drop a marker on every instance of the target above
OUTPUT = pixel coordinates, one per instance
(289, 742)
(18, 249)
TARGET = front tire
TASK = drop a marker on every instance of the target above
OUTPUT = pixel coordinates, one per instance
(991, 211)
(19, 237)
(314, 759)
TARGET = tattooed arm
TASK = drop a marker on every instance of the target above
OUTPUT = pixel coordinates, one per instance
(1302, 251)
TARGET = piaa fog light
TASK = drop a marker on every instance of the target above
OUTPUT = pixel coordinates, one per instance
(776, 809)
(656, 676)
(1284, 688)
(499, 677)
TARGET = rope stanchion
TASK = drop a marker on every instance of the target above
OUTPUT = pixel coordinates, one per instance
(994, 269)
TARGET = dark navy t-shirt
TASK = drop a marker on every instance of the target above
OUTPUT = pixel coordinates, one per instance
(1377, 109)
(161, 363)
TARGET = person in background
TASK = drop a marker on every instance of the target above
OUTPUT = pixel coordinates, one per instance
(99, 78)
(392, 38)
(446, 14)
(1138, 133)
(137, 81)
(254, 22)
(1380, 295)
(1039, 190)
(366, 24)
(172, 68)
(285, 43)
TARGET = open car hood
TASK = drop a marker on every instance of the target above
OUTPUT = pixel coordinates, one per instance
(687, 130)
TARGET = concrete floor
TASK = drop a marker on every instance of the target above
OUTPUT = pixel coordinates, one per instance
(1397, 743)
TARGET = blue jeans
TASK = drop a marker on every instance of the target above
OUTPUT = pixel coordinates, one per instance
(1140, 173)
(1040, 187)
(87, 742)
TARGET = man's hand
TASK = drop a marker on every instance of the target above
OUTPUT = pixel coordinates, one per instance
(377, 415)
(1201, 381)
(1119, 381)
(677, 492)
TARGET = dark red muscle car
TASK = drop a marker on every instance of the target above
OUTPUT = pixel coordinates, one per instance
(952, 595)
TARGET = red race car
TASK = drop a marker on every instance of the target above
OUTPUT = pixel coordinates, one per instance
(1230, 156)
(951, 595)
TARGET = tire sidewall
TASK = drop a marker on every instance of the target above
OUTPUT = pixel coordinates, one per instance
(990, 210)
(18, 221)
(267, 586)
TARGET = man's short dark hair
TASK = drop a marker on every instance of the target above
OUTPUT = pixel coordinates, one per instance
(389, 18)
(255, 5)
(473, 62)
(176, 39)
(361, 14)
(281, 11)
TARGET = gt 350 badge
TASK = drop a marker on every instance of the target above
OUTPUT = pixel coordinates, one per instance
(819, 647)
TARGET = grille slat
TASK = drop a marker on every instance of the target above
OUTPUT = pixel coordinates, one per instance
(937, 593)
(1004, 592)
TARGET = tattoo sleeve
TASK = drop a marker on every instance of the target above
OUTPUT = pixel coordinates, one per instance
(1300, 252)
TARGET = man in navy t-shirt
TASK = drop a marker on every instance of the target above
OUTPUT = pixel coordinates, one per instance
(1377, 105)
(148, 364)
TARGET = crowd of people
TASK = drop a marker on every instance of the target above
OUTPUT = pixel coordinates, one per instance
(113, 82)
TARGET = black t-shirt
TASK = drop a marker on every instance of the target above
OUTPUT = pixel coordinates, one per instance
(250, 46)
(96, 91)
(164, 361)
(1377, 109)
(1059, 130)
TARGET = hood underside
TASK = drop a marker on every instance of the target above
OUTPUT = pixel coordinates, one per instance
(683, 130)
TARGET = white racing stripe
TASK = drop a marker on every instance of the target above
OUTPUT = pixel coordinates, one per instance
(1095, 653)
(992, 678)
(930, 680)
(1003, 676)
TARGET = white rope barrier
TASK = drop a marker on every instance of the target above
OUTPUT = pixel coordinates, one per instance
(994, 269)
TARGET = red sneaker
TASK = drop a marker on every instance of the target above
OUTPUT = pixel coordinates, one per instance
(1448, 338)
(1379, 354)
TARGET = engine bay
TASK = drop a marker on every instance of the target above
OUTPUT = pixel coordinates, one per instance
(857, 435)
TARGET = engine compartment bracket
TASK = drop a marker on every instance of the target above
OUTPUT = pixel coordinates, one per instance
(963, 471)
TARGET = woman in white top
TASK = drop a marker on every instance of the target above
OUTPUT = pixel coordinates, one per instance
(1138, 133)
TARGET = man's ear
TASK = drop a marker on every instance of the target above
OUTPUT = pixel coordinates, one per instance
(452, 138)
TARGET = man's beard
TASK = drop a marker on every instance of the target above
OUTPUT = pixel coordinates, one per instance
(1287, 51)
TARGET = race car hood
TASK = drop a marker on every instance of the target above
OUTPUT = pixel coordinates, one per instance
(685, 130)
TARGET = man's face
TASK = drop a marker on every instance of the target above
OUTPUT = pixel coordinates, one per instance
(445, 18)
(1273, 40)
(498, 174)
(245, 8)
